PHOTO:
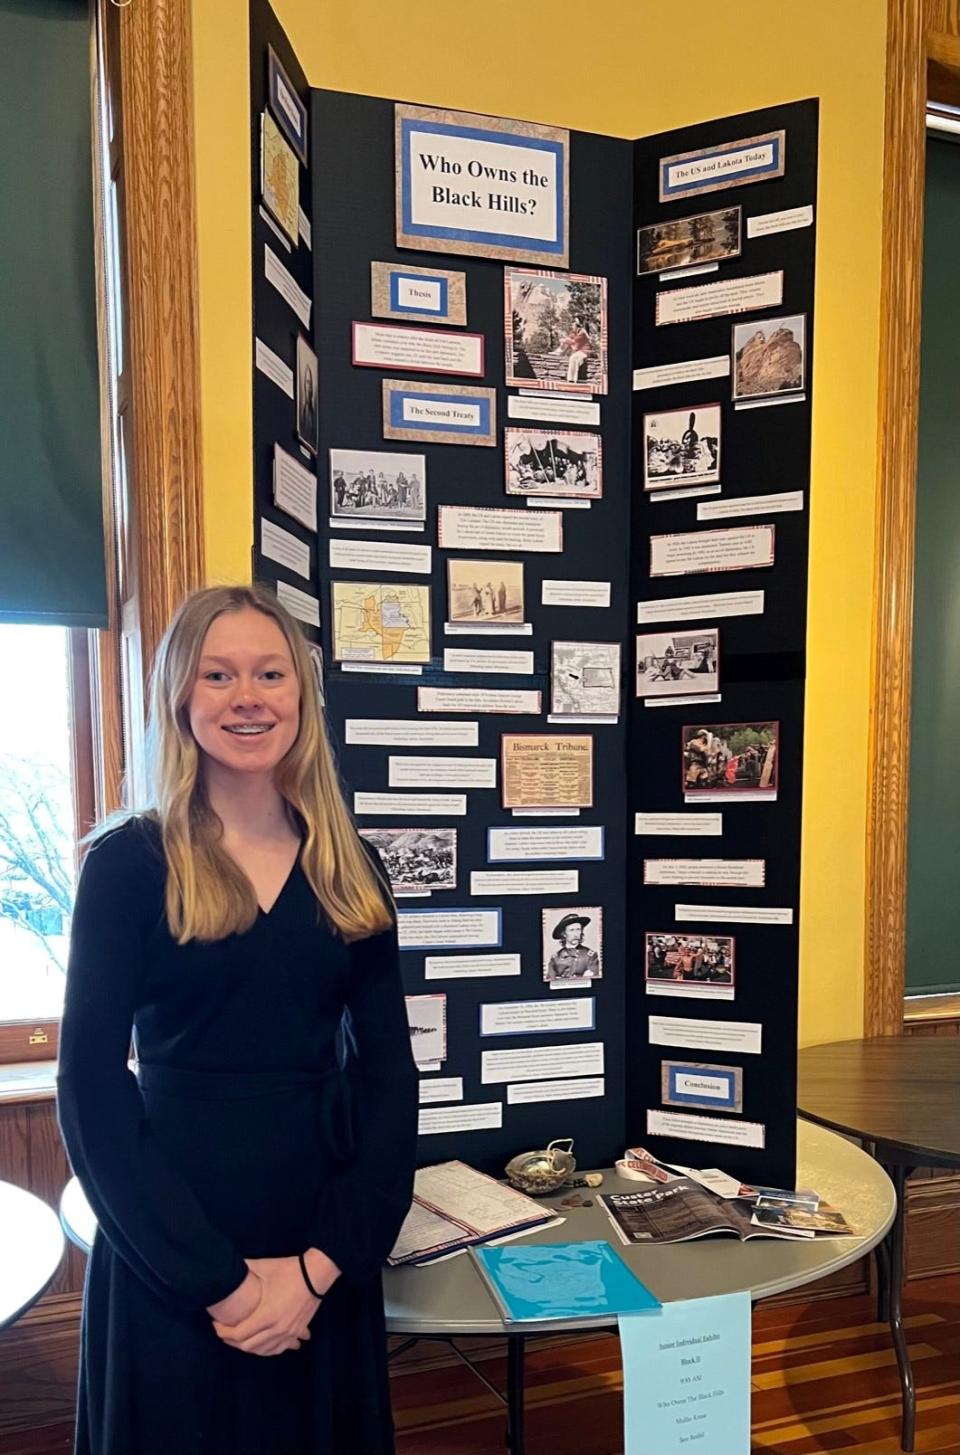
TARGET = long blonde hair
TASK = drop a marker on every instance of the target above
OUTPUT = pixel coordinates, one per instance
(208, 896)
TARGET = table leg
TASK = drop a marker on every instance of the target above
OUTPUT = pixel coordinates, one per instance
(908, 1390)
(881, 1254)
(515, 1440)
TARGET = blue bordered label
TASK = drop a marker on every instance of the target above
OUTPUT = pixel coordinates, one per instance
(478, 938)
(713, 169)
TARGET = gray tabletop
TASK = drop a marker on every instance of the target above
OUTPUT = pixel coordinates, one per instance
(450, 1297)
(30, 1250)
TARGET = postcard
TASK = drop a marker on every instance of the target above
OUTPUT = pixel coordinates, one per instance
(564, 1089)
(484, 591)
(416, 859)
(308, 396)
(540, 771)
(294, 488)
(478, 699)
(478, 659)
(572, 946)
(524, 881)
(380, 621)
(398, 732)
(701, 967)
(692, 608)
(553, 462)
(713, 300)
(739, 548)
(733, 164)
(289, 110)
(489, 528)
(705, 1129)
(538, 1063)
(451, 805)
(449, 929)
(671, 664)
(440, 1119)
(421, 350)
(466, 967)
(524, 1017)
(704, 1035)
(279, 545)
(681, 447)
(428, 295)
(441, 414)
(485, 186)
(682, 242)
(440, 1088)
(697, 1083)
(575, 593)
(279, 177)
(354, 555)
(679, 825)
(417, 772)
(769, 357)
(506, 846)
(733, 914)
(555, 330)
(377, 485)
(585, 679)
(555, 408)
(427, 1018)
(713, 873)
(299, 603)
(728, 760)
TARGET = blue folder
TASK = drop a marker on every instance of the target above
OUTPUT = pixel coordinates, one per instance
(561, 1281)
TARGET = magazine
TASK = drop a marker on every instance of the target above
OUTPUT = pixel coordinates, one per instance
(680, 1211)
(561, 1281)
(455, 1206)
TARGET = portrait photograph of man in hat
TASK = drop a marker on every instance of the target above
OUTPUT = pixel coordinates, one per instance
(572, 953)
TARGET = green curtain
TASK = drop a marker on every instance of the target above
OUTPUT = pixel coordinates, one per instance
(51, 522)
(933, 851)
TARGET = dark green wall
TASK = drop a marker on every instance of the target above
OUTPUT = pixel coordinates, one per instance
(933, 886)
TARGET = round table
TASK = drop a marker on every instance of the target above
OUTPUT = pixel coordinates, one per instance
(899, 1095)
(449, 1299)
(30, 1250)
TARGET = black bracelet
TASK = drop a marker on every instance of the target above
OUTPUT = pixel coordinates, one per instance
(306, 1278)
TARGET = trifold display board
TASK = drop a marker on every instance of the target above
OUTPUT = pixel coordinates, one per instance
(532, 455)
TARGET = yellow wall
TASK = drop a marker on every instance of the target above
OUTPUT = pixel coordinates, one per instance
(625, 67)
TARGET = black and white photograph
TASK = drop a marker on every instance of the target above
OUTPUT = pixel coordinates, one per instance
(377, 485)
(553, 462)
(682, 242)
(484, 592)
(701, 966)
(731, 758)
(572, 946)
(555, 330)
(770, 357)
(417, 861)
(681, 447)
(585, 679)
(678, 664)
(308, 402)
(427, 1019)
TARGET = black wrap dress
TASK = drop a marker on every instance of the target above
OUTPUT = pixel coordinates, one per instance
(239, 1137)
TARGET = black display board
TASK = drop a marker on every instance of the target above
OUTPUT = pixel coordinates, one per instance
(637, 761)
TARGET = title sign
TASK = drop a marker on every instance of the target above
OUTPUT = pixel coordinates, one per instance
(481, 185)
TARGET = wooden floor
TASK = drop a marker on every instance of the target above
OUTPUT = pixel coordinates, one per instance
(824, 1378)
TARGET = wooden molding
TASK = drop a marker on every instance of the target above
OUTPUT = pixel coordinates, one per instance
(160, 235)
(889, 749)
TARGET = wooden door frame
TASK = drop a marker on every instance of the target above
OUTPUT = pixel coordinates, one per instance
(920, 34)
